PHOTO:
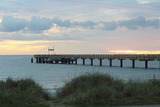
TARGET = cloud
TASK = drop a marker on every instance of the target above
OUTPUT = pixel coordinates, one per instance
(85, 24)
(69, 23)
(62, 23)
(11, 24)
(132, 24)
(139, 22)
(110, 26)
(38, 25)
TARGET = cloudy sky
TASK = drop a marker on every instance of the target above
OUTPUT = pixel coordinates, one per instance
(79, 26)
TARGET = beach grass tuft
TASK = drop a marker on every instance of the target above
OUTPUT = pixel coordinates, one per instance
(102, 89)
(22, 93)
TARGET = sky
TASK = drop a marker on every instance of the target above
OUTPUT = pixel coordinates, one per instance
(79, 26)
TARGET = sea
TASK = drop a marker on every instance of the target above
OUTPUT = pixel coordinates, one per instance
(53, 76)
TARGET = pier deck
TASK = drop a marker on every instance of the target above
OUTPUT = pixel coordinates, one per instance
(72, 58)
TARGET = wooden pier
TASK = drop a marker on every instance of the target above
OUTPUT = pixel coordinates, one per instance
(72, 58)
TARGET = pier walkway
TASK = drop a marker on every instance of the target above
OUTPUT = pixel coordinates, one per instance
(72, 58)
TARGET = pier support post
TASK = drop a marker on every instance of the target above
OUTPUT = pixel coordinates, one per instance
(40, 60)
(133, 63)
(76, 61)
(37, 60)
(146, 63)
(121, 62)
(91, 62)
(110, 62)
(43, 60)
(72, 61)
(83, 61)
(51, 62)
(69, 62)
(31, 60)
(100, 60)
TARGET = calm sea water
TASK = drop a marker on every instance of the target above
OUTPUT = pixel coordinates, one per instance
(52, 76)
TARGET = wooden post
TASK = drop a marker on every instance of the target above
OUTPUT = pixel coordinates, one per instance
(146, 63)
(91, 62)
(121, 62)
(72, 61)
(69, 61)
(83, 61)
(40, 60)
(110, 62)
(31, 60)
(100, 60)
(133, 63)
(43, 60)
(37, 60)
(76, 61)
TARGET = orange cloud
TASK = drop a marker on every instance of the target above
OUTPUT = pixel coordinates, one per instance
(133, 52)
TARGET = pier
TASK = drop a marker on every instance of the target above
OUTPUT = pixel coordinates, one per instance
(72, 58)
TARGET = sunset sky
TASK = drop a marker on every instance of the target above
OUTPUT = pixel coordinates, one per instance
(79, 26)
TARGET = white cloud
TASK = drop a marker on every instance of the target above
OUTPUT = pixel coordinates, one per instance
(54, 29)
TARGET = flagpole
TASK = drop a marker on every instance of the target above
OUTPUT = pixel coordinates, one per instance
(48, 50)
(53, 49)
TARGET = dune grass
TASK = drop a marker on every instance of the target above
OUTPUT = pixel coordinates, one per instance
(22, 93)
(89, 89)
(102, 89)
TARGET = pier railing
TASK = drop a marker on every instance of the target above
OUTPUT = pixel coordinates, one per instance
(103, 56)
